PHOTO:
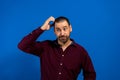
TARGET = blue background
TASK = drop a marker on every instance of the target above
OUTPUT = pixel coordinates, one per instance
(95, 23)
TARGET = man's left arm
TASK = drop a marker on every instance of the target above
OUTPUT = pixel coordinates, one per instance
(88, 68)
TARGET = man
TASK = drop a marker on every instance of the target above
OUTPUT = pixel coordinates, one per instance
(61, 59)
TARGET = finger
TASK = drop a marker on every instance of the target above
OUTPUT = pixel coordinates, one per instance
(52, 18)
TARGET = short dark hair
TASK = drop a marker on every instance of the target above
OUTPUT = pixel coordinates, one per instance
(59, 19)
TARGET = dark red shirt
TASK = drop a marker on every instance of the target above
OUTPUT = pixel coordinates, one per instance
(57, 64)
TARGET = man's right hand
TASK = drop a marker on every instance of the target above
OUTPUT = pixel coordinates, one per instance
(46, 25)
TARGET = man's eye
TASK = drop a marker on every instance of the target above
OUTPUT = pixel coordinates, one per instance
(64, 29)
(58, 30)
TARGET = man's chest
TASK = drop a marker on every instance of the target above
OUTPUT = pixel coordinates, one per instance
(69, 59)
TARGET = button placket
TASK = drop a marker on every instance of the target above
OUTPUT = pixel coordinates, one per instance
(60, 66)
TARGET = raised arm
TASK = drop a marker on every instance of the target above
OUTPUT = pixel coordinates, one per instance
(29, 44)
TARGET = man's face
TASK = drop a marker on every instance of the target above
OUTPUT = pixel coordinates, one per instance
(62, 30)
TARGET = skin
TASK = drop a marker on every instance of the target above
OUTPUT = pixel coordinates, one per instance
(62, 31)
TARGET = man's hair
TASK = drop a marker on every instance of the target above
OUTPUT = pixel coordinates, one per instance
(59, 19)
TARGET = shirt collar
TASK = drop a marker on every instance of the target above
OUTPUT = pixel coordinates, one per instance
(72, 44)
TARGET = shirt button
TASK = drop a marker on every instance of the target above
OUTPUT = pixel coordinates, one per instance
(61, 64)
(62, 55)
(60, 73)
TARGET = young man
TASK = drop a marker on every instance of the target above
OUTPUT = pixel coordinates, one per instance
(61, 59)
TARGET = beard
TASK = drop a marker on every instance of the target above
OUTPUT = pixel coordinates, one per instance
(63, 39)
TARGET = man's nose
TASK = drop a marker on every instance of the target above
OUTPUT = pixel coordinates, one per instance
(62, 32)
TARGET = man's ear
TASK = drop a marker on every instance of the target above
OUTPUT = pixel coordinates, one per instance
(70, 28)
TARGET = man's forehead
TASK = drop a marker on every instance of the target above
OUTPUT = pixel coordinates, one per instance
(61, 23)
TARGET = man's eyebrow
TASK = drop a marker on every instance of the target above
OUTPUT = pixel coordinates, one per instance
(57, 28)
(64, 26)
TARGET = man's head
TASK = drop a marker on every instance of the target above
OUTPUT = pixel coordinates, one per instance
(62, 29)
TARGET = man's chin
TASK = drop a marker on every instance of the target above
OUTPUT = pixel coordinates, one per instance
(63, 41)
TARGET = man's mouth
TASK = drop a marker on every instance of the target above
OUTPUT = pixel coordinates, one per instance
(62, 37)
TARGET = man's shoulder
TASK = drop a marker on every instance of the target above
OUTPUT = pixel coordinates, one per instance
(80, 47)
(74, 43)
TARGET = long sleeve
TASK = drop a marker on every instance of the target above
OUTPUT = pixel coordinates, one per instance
(29, 44)
(88, 69)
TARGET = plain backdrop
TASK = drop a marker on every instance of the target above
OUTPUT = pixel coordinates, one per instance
(95, 23)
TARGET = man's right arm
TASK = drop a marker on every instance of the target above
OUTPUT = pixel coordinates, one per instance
(28, 43)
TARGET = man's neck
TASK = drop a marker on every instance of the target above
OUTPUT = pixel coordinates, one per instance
(65, 45)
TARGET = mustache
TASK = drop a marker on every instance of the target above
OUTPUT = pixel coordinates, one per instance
(61, 36)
